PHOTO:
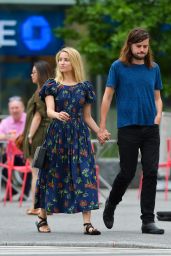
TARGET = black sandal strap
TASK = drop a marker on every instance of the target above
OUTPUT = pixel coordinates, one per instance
(42, 218)
(89, 226)
(85, 224)
(42, 222)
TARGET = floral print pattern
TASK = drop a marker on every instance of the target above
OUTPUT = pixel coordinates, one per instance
(67, 183)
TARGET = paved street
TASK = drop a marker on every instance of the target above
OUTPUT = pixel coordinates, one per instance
(19, 229)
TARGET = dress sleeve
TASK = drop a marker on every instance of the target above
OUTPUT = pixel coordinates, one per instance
(49, 88)
(90, 96)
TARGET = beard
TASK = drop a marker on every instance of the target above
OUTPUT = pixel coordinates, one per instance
(139, 57)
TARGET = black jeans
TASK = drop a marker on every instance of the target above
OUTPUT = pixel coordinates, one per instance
(130, 140)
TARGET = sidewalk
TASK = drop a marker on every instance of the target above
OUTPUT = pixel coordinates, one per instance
(17, 228)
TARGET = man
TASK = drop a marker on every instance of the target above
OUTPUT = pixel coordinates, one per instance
(11, 127)
(136, 81)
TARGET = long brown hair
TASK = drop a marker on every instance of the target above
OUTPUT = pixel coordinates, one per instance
(44, 71)
(135, 36)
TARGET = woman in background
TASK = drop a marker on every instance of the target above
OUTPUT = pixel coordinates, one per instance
(37, 121)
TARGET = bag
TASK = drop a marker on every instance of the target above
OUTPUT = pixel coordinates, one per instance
(39, 157)
(164, 216)
(19, 141)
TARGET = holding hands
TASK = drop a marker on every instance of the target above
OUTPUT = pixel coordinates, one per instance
(103, 135)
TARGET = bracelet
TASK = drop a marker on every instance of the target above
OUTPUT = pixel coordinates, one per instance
(29, 136)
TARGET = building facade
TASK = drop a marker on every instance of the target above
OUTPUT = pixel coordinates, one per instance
(27, 35)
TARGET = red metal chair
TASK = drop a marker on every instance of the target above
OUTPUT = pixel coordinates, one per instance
(11, 152)
(167, 166)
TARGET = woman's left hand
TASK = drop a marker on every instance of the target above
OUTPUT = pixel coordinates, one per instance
(30, 139)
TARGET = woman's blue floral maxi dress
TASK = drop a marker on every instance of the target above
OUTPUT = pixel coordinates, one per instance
(67, 183)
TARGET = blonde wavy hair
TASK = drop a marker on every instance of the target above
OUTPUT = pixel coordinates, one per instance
(76, 62)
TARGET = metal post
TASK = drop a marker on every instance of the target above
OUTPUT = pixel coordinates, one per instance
(99, 96)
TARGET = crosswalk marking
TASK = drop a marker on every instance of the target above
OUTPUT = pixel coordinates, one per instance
(54, 250)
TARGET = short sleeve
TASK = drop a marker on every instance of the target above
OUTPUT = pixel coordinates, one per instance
(90, 96)
(112, 76)
(158, 82)
(49, 88)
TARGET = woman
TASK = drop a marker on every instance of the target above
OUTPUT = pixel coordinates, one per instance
(37, 122)
(67, 183)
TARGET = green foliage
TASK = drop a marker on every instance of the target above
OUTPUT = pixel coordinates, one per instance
(99, 29)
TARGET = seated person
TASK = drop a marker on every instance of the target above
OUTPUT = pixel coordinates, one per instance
(10, 128)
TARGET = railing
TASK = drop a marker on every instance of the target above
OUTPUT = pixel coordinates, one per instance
(98, 149)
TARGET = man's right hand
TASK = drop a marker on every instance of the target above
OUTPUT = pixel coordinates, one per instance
(103, 135)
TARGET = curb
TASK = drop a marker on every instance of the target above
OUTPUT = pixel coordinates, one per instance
(111, 244)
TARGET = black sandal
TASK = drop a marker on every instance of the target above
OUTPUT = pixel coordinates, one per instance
(90, 230)
(41, 223)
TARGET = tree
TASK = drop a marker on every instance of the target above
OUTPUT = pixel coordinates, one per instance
(99, 29)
